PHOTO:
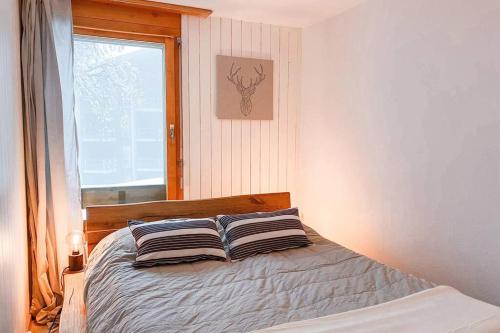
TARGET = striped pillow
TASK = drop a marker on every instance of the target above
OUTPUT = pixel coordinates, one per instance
(250, 234)
(175, 241)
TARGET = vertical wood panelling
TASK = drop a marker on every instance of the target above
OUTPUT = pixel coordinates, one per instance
(293, 91)
(205, 109)
(194, 107)
(226, 124)
(232, 157)
(273, 132)
(265, 124)
(255, 124)
(298, 110)
(216, 139)
(283, 110)
(246, 51)
(236, 151)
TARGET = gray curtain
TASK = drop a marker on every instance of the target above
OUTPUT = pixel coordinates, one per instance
(50, 146)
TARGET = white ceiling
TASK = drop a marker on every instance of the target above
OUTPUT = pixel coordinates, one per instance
(295, 13)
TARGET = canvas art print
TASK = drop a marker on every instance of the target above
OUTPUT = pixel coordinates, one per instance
(244, 88)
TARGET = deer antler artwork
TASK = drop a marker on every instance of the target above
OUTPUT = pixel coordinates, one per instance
(248, 91)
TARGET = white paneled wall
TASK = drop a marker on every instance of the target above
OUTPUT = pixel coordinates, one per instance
(231, 157)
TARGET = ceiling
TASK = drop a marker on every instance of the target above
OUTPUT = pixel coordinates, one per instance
(295, 13)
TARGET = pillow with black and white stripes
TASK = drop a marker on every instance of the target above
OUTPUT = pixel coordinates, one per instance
(254, 233)
(176, 241)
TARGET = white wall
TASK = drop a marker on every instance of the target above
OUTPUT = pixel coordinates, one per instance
(231, 157)
(13, 235)
(400, 137)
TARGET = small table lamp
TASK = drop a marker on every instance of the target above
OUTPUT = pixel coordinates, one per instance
(75, 246)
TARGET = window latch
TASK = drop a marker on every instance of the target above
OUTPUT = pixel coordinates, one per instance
(171, 132)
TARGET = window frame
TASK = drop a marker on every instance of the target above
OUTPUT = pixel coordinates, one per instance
(119, 21)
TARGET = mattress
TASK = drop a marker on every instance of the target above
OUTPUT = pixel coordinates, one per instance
(210, 296)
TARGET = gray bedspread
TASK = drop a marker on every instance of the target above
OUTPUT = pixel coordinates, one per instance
(210, 296)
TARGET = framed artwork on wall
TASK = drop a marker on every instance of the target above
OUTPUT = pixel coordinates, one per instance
(244, 88)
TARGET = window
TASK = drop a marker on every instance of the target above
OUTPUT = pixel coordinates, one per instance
(126, 96)
(120, 108)
(119, 102)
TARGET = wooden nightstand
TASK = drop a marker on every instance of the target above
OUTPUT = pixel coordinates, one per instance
(73, 316)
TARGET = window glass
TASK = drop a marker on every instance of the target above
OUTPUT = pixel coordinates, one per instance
(120, 109)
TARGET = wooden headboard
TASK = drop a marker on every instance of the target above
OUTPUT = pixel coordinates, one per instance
(103, 220)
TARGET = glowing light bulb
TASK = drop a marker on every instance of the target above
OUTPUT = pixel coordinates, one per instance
(75, 241)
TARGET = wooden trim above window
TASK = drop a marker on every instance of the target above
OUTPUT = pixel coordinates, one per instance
(120, 18)
(161, 6)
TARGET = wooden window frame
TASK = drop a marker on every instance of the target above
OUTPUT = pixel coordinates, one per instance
(128, 20)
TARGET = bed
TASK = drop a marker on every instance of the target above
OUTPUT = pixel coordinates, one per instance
(260, 292)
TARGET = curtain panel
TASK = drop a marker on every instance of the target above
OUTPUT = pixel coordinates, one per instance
(53, 188)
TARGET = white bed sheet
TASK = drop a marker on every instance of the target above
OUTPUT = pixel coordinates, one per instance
(437, 310)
